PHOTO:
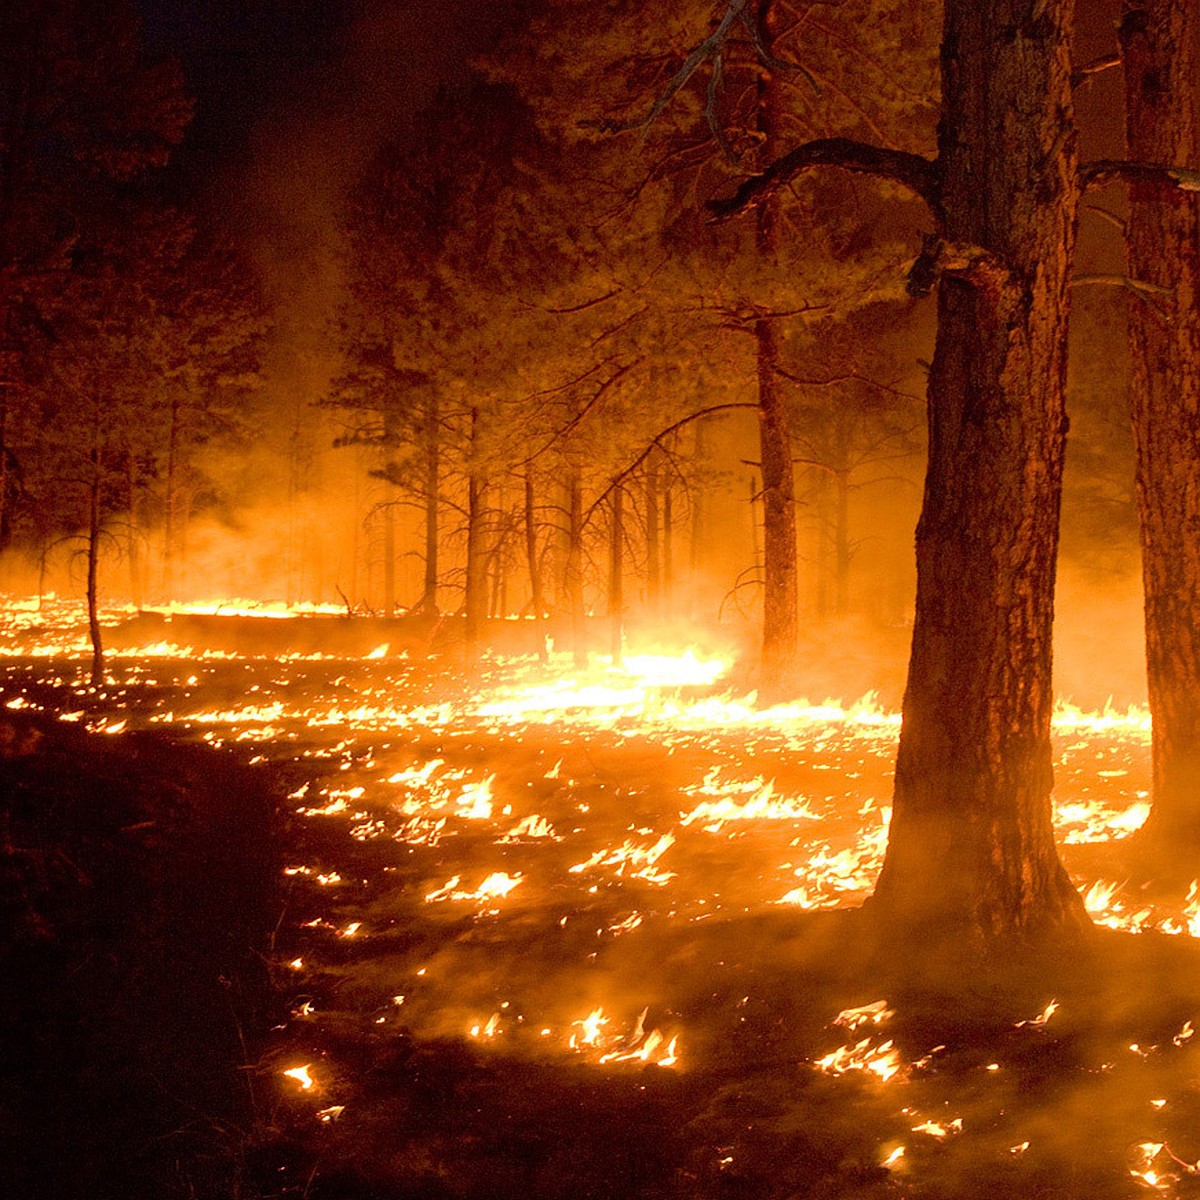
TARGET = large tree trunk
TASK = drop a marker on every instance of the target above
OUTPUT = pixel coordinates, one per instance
(971, 849)
(780, 613)
(1160, 63)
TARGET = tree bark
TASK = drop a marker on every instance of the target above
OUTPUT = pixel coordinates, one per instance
(780, 612)
(475, 600)
(650, 480)
(841, 543)
(573, 572)
(1160, 60)
(171, 501)
(431, 489)
(616, 575)
(388, 512)
(93, 558)
(668, 545)
(971, 849)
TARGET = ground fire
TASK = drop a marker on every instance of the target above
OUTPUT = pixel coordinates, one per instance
(554, 880)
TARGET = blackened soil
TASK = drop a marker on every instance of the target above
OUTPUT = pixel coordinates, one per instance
(134, 884)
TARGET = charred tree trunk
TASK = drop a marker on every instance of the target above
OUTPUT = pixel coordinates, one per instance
(780, 612)
(475, 600)
(668, 546)
(616, 575)
(133, 535)
(653, 546)
(171, 501)
(93, 558)
(388, 513)
(698, 544)
(1158, 44)
(537, 595)
(780, 615)
(431, 489)
(842, 551)
(971, 849)
(6, 385)
(573, 573)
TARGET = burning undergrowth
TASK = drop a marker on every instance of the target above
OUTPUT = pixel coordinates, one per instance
(550, 934)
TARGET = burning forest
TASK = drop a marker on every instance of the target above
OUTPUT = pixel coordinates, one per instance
(473, 723)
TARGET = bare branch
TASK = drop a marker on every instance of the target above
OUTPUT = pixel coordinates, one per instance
(1122, 170)
(1097, 66)
(709, 48)
(919, 175)
(1134, 285)
(576, 308)
(1106, 214)
(656, 441)
(591, 403)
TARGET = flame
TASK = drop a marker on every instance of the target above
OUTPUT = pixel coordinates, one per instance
(881, 1060)
(875, 1013)
(302, 1076)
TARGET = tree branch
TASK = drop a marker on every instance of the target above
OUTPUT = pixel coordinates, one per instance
(657, 440)
(1122, 170)
(1097, 66)
(912, 171)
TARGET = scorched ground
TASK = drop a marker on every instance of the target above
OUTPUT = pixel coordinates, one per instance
(546, 933)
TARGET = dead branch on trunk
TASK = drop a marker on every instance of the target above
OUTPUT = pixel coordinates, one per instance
(912, 171)
(1122, 170)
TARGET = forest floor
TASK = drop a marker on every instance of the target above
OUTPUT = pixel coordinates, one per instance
(344, 928)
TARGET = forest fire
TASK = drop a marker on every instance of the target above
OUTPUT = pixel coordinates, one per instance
(631, 414)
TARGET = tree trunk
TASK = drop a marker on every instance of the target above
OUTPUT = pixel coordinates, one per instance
(573, 574)
(780, 613)
(616, 577)
(388, 513)
(6, 384)
(668, 545)
(93, 561)
(841, 543)
(971, 848)
(699, 543)
(169, 493)
(133, 536)
(653, 547)
(1163, 237)
(537, 596)
(476, 599)
(431, 489)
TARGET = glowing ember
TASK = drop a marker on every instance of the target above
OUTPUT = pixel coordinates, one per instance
(301, 1076)
(1040, 1021)
(875, 1013)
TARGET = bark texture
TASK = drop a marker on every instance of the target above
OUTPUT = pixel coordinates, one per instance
(780, 599)
(971, 845)
(1163, 238)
